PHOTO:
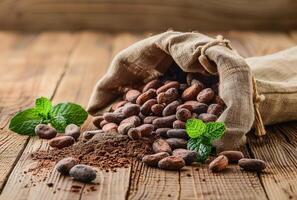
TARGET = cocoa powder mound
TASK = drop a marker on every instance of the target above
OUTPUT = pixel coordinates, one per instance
(105, 151)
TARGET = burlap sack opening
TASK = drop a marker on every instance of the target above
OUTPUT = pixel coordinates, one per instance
(151, 57)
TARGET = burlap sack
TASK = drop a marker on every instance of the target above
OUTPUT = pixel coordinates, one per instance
(151, 57)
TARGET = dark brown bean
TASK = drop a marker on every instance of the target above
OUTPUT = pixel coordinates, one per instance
(167, 97)
(113, 117)
(254, 165)
(147, 106)
(125, 127)
(233, 156)
(177, 133)
(83, 173)
(134, 134)
(130, 110)
(161, 145)
(61, 142)
(149, 119)
(186, 106)
(218, 164)
(154, 84)
(171, 163)
(171, 84)
(197, 107)
(152, 160)
(177, 124)
(188, 155)
(176, 143)
(90, 134)
(132, 95)
(207, 117)
(164, 122)
(206, 95)
(110, 127)
(183, 114)
(157, 109)
(97, 120)
(191, 92)
(118, 105)
(132, 120)
(65, 165)
(144, 97)
(145, 130)
(218, 100)
(215, 109)
(162, 132)
(45, 132)
(73, 131)
(170, 109)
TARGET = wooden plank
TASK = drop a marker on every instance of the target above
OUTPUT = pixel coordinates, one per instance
(149, 15)
(25, 66)
(87, 63)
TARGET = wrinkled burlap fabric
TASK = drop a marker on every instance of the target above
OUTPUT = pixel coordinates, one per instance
(151, 57)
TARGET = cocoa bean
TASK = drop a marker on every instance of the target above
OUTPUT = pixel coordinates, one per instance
(177, 124)
(83, 173)
(135, 120)
(65, 165)
(206, 95)
(152, 160)
(188, 155)
(103, 123)
(183, 114)
(45, 132)
(191, 92)
(164, 122)
(170, 109)
(134, 134)
(144, 97)
(207, 117)
(254, 165)
(161, 145)
(97, 120)
(90, 134)
(167, 97)
(113, 117)
(218, 164)
(233, 156)
(130, 110)
(176, 143)
(154, 84)
(132, 95)
(186, 106)
(157, 109)
(125, 127)
(170, 84)
(110, 127)
(215, 109)
(171, 163)
(118, 105)
(61, 142)
(219, 101)
(197, 107)
(162, 132)
(73, 131)
(147, 106)
(149, 120)
(177, 133)
(145, 130)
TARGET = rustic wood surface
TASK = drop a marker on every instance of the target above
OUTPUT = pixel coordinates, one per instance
(65, 66)
(130, 15)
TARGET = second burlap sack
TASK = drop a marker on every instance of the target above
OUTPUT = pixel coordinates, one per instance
(151, 57)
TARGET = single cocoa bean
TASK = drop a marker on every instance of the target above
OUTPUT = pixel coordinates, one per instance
(157, 109)
(132, 95)
(162, 132)
(149, 119)
(90, 134)
(103, 123)
(72, 130)
(83, 173)
(176, 143)
(113, 117)
(45, 132)
(118, 105)
(134, 134)
(154, 84)
(171, 163)
(164, 122)
(61, 142)
(208, 117)
(183, 114)
(206, 95)
(65, 165)
(254, 165)
(170, 109)
(110, 127)
(170, 84)
(186, 106)
(144, 97)
(199, 83)
(188, 155)
(177, 133)
(145, 130)
(218, 164)
(219, 101)
(161, 145)
(233, 156)
(147, 106)
(135, 120)
(177, 124)
(167, 97)
(97, 120)
(197, 107)
(130, 110)
(191, 92)
(152, 160)
(125, 127)
(215, 109)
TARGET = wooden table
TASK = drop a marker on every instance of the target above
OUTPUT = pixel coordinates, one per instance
(65, 66)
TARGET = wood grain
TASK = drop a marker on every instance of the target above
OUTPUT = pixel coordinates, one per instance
(149, 15)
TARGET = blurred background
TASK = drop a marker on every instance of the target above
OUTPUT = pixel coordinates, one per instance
(148, 15)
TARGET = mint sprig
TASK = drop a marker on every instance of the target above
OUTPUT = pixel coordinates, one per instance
(202, 135)
(59, 116)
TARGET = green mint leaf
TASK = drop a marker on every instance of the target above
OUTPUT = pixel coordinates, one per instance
(43, 106)
(215, 130)
(63, 114)
(195, 128)
(201, 146)
(24, 122)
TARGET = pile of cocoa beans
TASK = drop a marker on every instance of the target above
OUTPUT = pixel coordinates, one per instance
(161, 108)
